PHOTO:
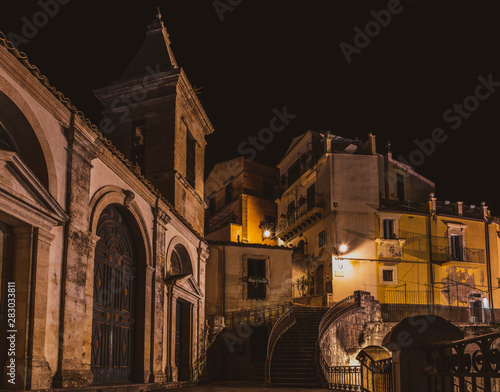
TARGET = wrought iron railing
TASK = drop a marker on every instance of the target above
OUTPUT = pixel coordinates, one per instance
(337, 310)
(254, 316)
(284, 323)
(298, 212)
(446, 253)
(339, 378)
(471, 365)
(455, 314)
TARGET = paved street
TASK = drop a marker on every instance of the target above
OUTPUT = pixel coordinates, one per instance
(239, 386)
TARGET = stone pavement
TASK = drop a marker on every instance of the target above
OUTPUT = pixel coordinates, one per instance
(241, 386)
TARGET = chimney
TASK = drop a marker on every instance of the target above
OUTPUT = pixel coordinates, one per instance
(372, 144)
(432, 204)
(459, 208)
(328, 142)
(485, 210)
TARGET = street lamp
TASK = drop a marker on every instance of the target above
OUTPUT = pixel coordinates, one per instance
(343, 248)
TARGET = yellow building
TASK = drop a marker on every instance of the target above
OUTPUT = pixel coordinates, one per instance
(437, 253)
(365, 221)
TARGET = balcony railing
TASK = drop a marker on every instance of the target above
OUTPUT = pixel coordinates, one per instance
(417, 245)
(299, 212)
(445, 254)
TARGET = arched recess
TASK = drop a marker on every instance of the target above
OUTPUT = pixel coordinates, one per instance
(116, 198)
(116, 195)
(30, 140)
(178, 253)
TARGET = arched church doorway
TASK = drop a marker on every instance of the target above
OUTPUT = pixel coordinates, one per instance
(114, 300)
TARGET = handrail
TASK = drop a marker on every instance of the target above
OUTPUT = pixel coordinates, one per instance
(327, 372)
(339, 378)
(256, 315)
(351, 302)
(284, 323)
(474, 359)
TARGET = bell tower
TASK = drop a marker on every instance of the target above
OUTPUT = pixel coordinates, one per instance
(153, 116)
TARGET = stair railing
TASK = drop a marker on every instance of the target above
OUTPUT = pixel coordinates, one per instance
(284, 323)
(258, 315)
(344, 378)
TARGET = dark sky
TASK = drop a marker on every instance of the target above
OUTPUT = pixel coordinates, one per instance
(268, 54)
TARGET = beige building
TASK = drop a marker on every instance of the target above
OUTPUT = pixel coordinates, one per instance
(103, 245)
(331, 189)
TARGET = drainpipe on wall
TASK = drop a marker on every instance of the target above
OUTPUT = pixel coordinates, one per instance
(432, 215)
(488, 268)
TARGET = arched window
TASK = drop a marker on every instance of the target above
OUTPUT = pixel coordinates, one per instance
(180, 262)
(5, 141)
(175, 264)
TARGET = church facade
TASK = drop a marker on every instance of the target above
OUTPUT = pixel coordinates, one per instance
(103, 257)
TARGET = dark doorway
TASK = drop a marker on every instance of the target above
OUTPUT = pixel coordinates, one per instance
(320, 280)
(183, 339)
(114, 300)
(311, 197)
(258, 343)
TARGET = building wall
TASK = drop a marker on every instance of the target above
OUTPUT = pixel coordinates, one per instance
(226, 290)
(85, 175)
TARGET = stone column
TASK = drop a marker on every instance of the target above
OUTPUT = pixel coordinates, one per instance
(41, 375)
(87, 329)
(158, 317)
(171, 370)
(148, 310)
(74, 360)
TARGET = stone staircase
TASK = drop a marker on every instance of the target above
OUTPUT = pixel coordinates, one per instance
(259, 370)
(293, 361)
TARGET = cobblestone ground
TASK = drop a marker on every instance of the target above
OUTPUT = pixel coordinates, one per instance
(239, 386)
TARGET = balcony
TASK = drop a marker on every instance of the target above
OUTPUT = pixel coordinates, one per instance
(443, 255)
(410, 244)
(300, 217)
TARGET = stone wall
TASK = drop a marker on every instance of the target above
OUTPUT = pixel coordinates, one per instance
(356, 329)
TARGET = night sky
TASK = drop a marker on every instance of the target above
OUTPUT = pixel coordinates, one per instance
(276, 53)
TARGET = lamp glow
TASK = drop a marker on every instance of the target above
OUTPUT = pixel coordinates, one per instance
(267, 233)
(343, 248)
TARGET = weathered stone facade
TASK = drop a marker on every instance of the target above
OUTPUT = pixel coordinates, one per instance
(59, 180)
